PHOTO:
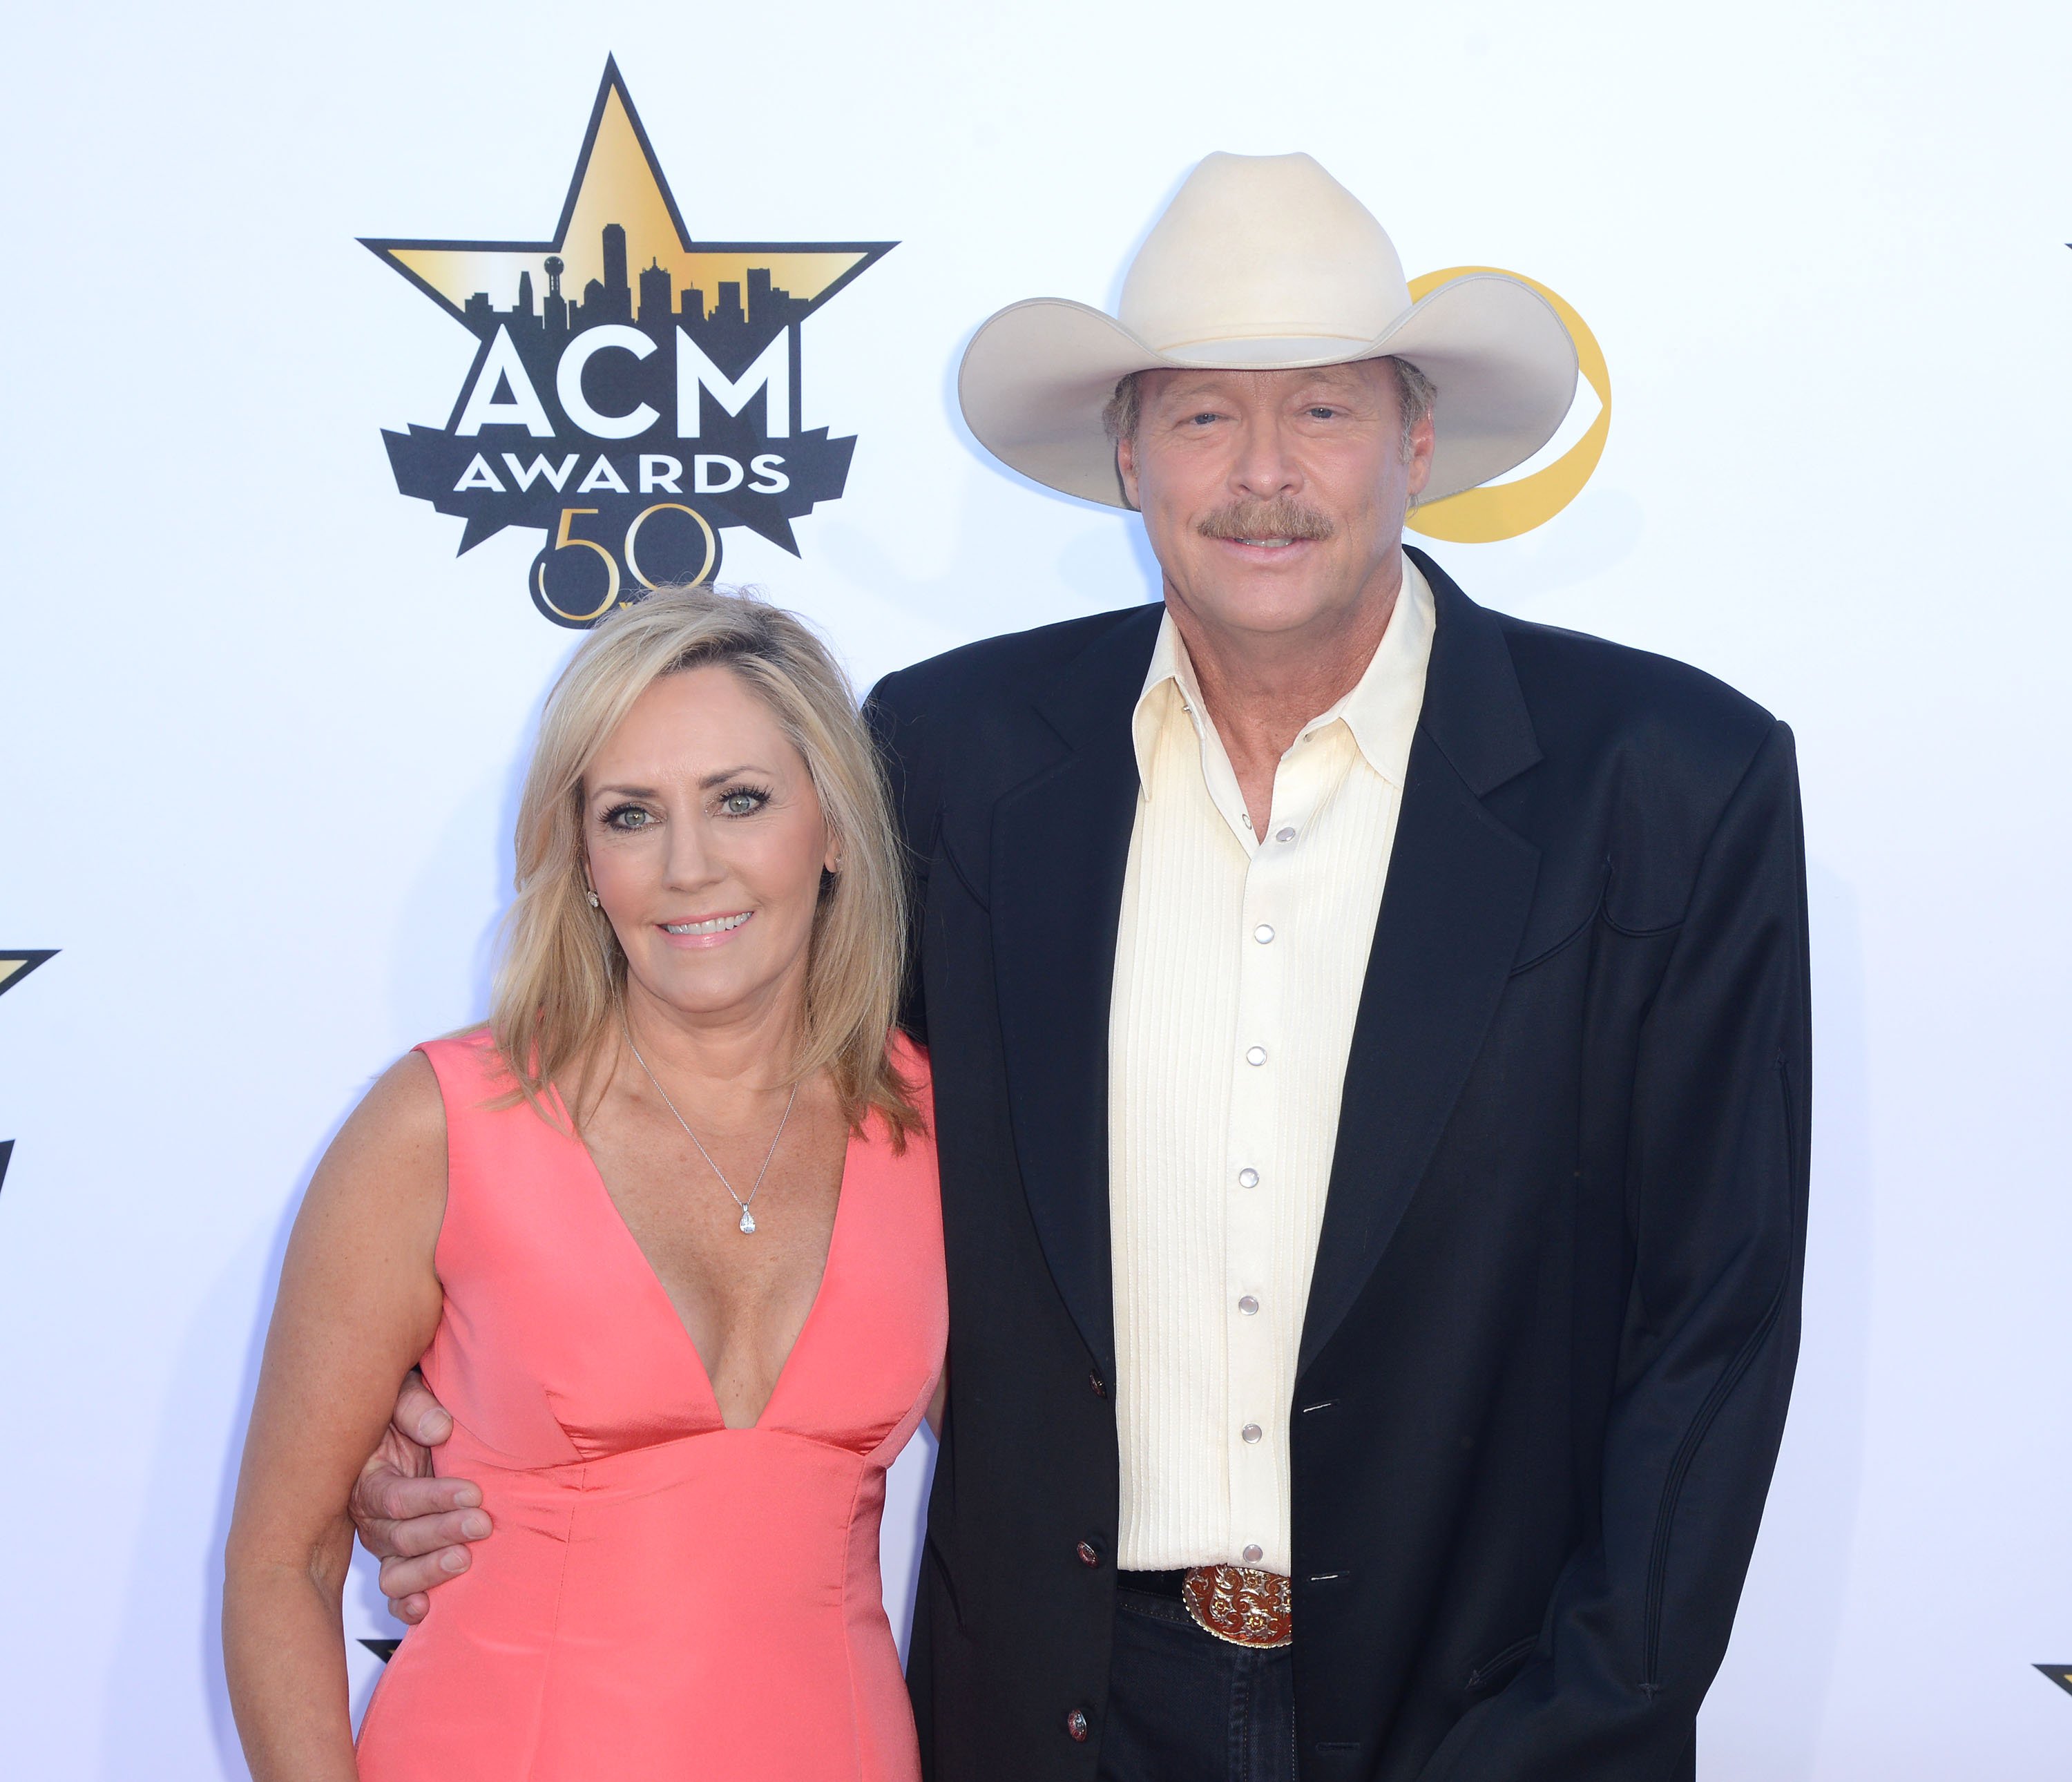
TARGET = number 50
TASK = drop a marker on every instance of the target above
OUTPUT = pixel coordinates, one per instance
(564, 539)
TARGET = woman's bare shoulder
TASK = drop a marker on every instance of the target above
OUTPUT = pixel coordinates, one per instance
(392, 1147)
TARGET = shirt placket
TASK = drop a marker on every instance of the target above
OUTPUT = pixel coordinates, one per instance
(1257, 1182)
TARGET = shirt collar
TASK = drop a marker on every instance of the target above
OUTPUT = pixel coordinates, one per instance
(1380, 711)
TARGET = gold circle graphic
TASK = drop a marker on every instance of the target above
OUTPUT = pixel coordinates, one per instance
(1503, 510)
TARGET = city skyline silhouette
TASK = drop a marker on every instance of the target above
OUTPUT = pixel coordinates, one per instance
(741, 316)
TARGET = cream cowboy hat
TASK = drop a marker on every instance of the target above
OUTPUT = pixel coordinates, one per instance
(1266, 262)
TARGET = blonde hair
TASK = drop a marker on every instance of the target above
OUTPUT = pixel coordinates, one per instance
(562, 972)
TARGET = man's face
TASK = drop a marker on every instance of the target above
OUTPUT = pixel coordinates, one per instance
(1274, 499)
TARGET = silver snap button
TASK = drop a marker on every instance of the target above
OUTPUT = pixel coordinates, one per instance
(1262, 933)
(1284, 835)
(1247, 1179)
(1253, 1554)
(1248, 1305)
(1252, 1432)
(1256, 1056)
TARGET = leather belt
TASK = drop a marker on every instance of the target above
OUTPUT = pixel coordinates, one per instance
(1241, 1605)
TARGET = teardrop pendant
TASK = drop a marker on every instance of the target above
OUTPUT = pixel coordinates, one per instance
(747, 1223)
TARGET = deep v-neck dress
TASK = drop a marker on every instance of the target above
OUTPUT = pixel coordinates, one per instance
(663, 1596)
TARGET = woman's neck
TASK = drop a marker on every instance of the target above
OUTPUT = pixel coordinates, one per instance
(739, 1055)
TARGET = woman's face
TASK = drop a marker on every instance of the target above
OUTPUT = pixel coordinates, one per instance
(706, 843)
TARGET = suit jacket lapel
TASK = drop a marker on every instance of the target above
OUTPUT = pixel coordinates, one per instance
(1061, 846)
(1460, 888)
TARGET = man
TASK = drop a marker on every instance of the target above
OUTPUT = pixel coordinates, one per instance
(1371, 1058)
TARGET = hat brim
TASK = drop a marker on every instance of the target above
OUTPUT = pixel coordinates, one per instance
(1036, 378)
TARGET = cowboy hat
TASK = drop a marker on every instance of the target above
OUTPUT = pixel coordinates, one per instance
(1266, 262)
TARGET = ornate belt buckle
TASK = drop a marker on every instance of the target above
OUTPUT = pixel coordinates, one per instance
(1240, 1604)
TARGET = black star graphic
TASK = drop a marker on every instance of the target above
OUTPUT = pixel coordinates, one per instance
(14, 967)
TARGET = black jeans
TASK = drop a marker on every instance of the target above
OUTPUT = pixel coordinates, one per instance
(1184, 1706)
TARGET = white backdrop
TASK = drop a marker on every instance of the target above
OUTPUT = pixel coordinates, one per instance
(260, 729)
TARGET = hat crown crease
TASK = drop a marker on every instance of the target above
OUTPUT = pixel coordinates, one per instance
(1262, 247)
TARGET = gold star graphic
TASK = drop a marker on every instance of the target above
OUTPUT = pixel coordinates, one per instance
(618, 181)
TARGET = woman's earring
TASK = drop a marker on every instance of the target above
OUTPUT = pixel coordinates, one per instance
(593, 899)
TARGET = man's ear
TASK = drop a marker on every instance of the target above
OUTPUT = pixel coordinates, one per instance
(1418, 471)
(1126, 467)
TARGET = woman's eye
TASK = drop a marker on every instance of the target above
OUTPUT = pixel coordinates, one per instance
(628, 816)
(741, 804)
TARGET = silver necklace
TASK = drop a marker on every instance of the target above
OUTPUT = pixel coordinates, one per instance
(747, 1218)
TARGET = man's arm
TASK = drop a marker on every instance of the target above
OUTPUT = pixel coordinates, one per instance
(897, 732)
(1716, 1202)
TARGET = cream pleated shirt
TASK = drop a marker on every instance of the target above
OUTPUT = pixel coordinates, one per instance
(1238, 969)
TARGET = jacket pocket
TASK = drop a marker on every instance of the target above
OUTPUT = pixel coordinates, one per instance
(1492, 1673)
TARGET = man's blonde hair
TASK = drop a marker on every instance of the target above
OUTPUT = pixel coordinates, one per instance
(562, 973)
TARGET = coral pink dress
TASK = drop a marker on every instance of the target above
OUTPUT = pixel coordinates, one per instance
(663, 1596)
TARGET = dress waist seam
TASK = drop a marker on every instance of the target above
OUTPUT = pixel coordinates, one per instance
(574, 1473)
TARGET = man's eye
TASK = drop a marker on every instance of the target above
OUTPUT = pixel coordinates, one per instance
(1203, 418)
(1322, 414)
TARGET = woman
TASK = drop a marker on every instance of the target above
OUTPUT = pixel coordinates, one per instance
(674, 1264)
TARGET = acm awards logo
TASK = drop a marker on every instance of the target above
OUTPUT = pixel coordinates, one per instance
(633, 392)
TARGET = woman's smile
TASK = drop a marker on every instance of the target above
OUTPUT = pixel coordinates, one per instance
(705, 930)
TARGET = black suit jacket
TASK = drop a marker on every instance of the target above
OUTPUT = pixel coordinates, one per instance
(1548, 1348)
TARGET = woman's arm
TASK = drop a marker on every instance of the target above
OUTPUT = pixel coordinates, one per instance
(360, 1299)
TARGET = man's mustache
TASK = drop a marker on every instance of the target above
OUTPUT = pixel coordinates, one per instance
(1279, 518)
